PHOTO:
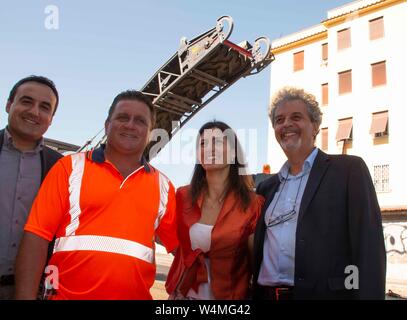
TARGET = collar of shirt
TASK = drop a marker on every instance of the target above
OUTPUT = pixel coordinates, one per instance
(9, 144)
(98, 156)
(284, 172)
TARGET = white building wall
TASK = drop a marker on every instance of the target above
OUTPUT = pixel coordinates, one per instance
(282, 75)
(363, 100)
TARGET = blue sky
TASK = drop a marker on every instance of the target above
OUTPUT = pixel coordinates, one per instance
(104, 47)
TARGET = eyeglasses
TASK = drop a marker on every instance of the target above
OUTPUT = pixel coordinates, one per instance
(281, 218)
(285, 216)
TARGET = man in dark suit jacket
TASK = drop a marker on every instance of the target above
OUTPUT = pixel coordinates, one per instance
(330, 245)
(24, 163)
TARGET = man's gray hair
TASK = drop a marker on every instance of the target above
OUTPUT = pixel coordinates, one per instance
(291, 93)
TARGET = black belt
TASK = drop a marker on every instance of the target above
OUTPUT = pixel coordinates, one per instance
(7, 280)
(276, 293)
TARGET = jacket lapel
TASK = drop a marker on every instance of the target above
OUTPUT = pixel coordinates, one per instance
(228, 205)
(321, 163)
(270, 197)
(260, 232)
(261, 226)
(1, 138)
(44, 165)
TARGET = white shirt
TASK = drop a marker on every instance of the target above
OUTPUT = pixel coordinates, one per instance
(277, 267)
(200, 235)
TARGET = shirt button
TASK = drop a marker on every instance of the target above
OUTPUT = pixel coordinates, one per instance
(14, 245)
(10, 269)
(16, 221)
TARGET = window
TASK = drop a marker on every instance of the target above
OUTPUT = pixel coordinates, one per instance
(324, 51)
(344, 39)
(379, 126)
(378, 73)
(324, 139)
(299, 61)
(381, 178)
(376, 28)
(344, 135)
(324, 94)
(344, 130)
(345, 81)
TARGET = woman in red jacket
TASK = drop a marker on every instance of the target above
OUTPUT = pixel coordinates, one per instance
(216, 216)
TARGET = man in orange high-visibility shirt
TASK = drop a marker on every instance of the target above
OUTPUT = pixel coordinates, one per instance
(105, 208)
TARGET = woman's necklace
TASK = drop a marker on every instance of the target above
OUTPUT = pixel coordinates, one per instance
(213, 203)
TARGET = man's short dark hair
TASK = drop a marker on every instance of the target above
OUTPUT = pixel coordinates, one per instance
(133, 95)
(39, 79)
